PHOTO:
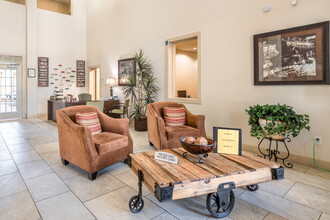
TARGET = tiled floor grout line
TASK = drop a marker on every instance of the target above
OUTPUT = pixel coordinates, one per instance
(285, 199)
(69, 189)
(103, 194)
(51, 196)
(137, 192)
(158, 215)
(13, 193)
(44, 129)
(83, 203)
(304, 205)
(27, 188)
(164, 211)
(295, 182)
(266, 215)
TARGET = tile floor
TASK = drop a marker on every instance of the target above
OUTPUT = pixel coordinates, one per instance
(35, 185)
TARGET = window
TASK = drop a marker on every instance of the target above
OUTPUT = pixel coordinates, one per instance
(60, 6)
(183, 75)
(10, 86)
(22, 2)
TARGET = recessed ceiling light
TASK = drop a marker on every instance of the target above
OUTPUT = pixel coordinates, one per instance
(195, 48)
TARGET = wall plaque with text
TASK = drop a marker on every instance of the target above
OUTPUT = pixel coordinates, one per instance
(43, 72)
(81, 81)
(229, 140)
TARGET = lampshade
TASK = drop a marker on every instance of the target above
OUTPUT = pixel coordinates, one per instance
(111, 82)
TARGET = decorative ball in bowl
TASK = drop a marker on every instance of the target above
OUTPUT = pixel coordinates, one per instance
(197, 145)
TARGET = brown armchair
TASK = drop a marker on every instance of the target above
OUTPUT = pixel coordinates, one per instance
(164, 137)
(92, 152)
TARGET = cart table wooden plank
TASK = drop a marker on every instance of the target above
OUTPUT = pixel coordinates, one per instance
(190, 178)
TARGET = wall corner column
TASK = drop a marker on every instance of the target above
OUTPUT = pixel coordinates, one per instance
(31, 58)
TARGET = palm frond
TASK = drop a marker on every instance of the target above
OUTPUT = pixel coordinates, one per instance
(146, 90)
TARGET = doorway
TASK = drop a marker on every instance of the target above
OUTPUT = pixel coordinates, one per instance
(95, 82)
(10, 87)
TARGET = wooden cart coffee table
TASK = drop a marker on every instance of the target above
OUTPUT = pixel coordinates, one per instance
(217, 177)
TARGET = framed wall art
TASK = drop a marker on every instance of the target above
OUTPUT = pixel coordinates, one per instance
(228, 140)
(43, 72)
(127, 72)
(31, 73)
(81, 72)
(294, 56)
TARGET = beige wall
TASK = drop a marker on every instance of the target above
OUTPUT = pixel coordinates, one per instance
(186, 73)
(118, 28)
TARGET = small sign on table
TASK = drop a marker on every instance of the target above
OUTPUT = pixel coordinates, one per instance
(229, 140)
(167, 157)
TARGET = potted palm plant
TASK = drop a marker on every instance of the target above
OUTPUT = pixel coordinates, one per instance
(276, 121)
(145, 91)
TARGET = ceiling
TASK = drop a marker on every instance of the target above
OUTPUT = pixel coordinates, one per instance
(187, 45)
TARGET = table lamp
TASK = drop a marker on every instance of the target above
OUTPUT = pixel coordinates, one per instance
(111, 82)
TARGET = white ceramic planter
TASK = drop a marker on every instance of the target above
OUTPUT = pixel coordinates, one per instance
(263, 123)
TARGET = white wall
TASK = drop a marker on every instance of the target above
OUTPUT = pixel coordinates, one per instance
(120, 27)
(186, 73)
(62, 38)
(12, 27)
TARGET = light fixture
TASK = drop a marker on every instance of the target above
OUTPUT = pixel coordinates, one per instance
(111, 82)
(293, 2)
(195, 48)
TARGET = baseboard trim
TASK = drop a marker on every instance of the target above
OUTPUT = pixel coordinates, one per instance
(308, 161)
(32, 116)
(42, 115)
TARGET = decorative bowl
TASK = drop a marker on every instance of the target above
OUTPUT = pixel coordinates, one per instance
(198, 149)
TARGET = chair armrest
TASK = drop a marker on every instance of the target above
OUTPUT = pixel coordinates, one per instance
(116, 125)
(76, 143)
(162, 133)
(156, 129)
(196, 121)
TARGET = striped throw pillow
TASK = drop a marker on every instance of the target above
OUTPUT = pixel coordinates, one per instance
(90, 120)
(174, 116)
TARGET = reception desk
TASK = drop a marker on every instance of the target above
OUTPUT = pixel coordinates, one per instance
(53, 106)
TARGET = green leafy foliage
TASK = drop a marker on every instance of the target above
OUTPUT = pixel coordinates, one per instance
(145, 91)
(294, 122)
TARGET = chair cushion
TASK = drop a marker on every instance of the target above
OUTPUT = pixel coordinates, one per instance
(181, 131)
(174, 116)
(90, 120)
(106, 142)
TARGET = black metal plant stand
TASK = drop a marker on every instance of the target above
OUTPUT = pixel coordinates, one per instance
(275, 152)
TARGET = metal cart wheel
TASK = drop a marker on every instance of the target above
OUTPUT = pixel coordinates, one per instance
(220, 208)
(136, 204)
(253, 188)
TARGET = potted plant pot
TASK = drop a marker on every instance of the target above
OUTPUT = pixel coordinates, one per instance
(140, 123)
(276, 121)
(279, 137)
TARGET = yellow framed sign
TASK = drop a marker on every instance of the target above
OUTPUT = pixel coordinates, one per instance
(228, 140)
